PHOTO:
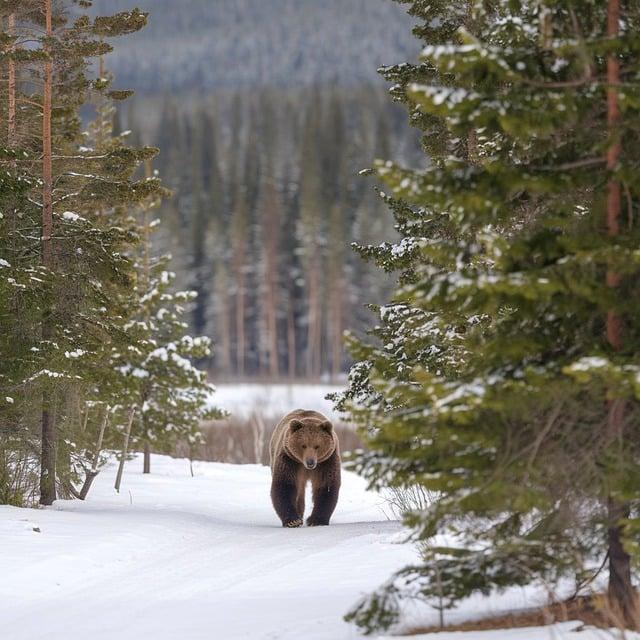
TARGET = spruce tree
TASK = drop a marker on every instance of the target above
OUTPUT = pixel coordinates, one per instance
(171, 395)
(505, 379)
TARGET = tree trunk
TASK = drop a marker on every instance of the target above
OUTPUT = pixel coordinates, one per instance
(336, 356)
(47, 169)
(147, 458)
(224, 344)
(240, 313)
(271, 277)
(125, 449)
(48, 435)
(88, 481)
(47, 456)
(11, 88)
(239, 260)
(336, 288)
(291, 338)
(314, 337)
(620, 590)
(622, 597)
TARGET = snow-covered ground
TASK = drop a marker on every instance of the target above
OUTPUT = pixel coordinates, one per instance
(274, 399)
(176, 557)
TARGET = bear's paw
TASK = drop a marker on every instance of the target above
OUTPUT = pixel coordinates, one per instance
(293, 523)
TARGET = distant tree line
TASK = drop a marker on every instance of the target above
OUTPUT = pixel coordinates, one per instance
(267, 197)
(225, 44)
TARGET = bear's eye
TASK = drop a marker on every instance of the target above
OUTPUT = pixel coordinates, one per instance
(316, 447)
(304, 446)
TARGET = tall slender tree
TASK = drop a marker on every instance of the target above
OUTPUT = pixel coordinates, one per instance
(48, 456)
(621, 590)
(311, 231)
(271, 231)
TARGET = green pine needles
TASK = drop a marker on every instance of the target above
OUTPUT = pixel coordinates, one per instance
(506, 377)
(91, 330)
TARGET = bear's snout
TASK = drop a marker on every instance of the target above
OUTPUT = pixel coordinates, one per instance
(310, 463)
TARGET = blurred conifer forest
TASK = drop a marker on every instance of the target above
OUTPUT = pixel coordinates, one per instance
(263, 163)
(266, 198)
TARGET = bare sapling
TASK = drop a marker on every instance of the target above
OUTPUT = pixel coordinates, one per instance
(125, 448)
(93, 472)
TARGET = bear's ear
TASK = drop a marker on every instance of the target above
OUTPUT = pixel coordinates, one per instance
(327, 426)
(295, 425)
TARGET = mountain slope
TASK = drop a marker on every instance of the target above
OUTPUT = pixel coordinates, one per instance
(207, 44)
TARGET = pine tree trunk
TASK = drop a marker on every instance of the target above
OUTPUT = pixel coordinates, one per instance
(272, 321)
(47, 169)
(291, 339)
(271, 278)
(223, 321)
(11, 88)
(239, 260)
(146, 270)
(336, 356)
(147, 458)
(314, 338)
(240, 329)
(125, 449)
(620, 589)
(47, 456)
(336, 287)
(621, 593)
(48, 435)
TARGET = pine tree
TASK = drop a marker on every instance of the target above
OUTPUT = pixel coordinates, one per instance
(67, 293)
(505, 382)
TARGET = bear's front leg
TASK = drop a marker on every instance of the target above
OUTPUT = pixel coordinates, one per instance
(284, 497)
(326, 487)
(325, 499)
(284, 491)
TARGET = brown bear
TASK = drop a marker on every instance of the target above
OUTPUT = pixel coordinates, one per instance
(304, 446)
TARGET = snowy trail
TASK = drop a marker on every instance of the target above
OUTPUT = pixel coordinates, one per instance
(179, 557)
(175, 557)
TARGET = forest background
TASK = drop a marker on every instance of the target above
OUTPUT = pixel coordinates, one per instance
(264, 161)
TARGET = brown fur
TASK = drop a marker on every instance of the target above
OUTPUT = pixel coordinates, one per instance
(302, 438)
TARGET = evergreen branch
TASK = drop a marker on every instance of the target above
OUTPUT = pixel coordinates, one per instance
(562, 84)
(568, 166)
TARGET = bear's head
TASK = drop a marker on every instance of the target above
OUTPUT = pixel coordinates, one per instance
(310, 441)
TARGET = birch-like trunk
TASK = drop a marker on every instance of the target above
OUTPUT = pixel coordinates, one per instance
(88, 481)
(125, 449)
